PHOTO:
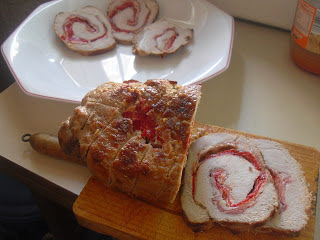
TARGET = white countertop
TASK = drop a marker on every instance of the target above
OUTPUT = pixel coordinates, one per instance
(262, 92)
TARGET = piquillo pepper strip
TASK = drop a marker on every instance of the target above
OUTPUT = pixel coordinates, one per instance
(69, 33)
(218, 178)
(131, 22)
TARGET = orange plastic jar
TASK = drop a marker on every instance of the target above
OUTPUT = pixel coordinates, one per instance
(305, 36)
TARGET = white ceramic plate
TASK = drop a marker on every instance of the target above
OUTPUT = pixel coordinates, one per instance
(44, 67)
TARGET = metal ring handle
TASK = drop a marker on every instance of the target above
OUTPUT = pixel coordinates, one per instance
(26, 137)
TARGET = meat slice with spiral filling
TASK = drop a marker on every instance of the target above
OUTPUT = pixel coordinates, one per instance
(128, 17)
(86, 31)
(226, 182)
(134, 136)
(161, 38)
(294, 196)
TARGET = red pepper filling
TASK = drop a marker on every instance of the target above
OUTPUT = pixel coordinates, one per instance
(142, 121)
(131, 81)
(169, 41)
(280, 182)
(219, 178)
(130, 22)
(69, 33)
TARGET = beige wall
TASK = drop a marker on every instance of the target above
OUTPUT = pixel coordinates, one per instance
(278, 13)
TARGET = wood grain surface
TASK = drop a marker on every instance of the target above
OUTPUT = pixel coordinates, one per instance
(123, 217)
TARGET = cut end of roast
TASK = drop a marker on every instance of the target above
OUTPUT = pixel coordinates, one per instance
(87, 31)
(225, 181)
(245, 185)
(161, 38)
(128, 17)
(292, 188)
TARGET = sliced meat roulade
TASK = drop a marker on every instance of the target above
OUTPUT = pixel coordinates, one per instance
(128, 17)
(86, 31)
(160, 38)
(134, 137)
(294, 196)
(225, 181)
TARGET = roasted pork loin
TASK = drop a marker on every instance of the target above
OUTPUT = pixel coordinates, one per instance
(226, 182)
(86, 31)
(294, 196)
(128, 17)
(161, 38)
(244, 184)
(134, 137)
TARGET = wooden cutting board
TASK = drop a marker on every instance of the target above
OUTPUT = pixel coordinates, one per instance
(120, 216)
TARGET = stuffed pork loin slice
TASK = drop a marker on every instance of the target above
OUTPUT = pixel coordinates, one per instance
(134, 136)
(128, 17)
(86, 31)
(294, 196)
(161, 38)
(225, 181)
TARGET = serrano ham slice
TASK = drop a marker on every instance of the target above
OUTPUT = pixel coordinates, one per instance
(134, 137)
(226, 182)
(128, 17)
(160, 38)
(294, 196)
(86, 31)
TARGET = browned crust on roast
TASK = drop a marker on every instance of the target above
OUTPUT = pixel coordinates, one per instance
(120, 155)
(126, 167)
(128, 159)
(100, 116)
(153, 176)
(103, 151)
(74, 134)
(166, 165)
